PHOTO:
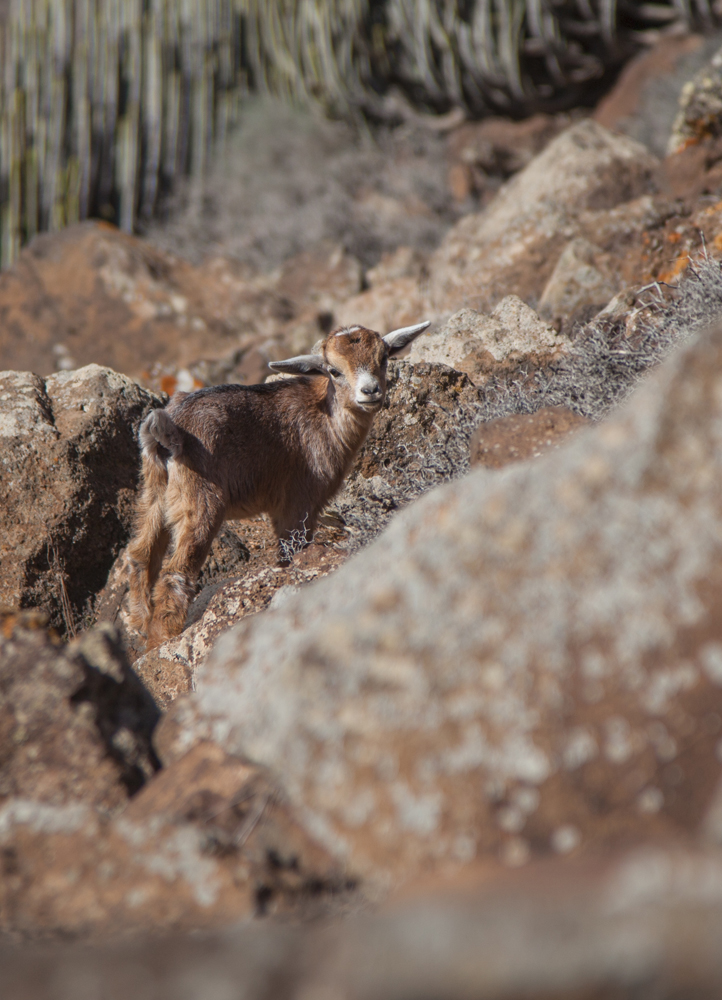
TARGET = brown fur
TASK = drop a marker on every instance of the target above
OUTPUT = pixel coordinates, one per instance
(233, 451)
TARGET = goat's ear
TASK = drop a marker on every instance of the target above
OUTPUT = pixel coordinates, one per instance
(398, 339)
(304, 364)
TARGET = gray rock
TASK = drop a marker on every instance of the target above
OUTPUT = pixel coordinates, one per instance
(470, 341)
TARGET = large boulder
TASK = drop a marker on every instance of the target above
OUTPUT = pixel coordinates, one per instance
(480, 345)
(527, 662)
(512, 246)
(68, 478)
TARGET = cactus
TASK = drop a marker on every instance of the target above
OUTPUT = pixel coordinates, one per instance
(104, 102)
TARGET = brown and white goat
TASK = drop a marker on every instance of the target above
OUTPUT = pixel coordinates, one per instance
(235, 451)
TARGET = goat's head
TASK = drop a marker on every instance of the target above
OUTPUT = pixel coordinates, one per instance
(354, 359)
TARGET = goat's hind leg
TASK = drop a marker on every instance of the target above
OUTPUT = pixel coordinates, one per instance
(193, 536)
(146, 549)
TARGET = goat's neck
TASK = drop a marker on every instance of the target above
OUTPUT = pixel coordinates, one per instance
(347, 425)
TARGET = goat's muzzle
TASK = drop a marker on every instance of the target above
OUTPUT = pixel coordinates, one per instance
(368, 392)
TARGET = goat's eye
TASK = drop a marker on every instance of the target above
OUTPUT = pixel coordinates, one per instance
(334, 373)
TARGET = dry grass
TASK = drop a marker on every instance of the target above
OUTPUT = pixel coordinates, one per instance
(598, 375)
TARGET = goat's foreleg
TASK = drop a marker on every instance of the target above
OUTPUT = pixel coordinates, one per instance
(193, 536)
(294, 529)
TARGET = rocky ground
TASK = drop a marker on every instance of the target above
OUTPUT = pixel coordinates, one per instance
(487, 700)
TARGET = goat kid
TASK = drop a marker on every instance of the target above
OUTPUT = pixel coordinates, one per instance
(234, 451)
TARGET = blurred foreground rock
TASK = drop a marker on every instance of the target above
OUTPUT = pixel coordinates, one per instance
(645, 923)
(75, 722)
(69, 472)
(525, 663)
(209, 841)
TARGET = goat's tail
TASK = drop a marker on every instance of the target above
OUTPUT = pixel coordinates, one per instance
(160, 439)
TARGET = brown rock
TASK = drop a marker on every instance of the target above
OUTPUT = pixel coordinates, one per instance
(644, 921)
(90, 294)
(523, 435)
(627, 100)
(481, 345)
(75, 723)
(523, 664)
(483, 154)
(67, 485)
(584, 276)
(405, 262)
(208, 842)
(385, 307)
(395, 296)
(512, 247)
(693, 170)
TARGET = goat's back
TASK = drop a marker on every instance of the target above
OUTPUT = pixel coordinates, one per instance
(257, 441)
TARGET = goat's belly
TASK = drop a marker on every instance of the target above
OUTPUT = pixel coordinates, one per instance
(242, 511)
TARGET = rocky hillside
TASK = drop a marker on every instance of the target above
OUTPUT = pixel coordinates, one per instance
(475, 727)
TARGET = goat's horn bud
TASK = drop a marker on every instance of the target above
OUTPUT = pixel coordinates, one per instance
(303, 364)
(398, 339)
(409, 331)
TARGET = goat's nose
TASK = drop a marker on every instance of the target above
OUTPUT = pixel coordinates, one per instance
(370, 389)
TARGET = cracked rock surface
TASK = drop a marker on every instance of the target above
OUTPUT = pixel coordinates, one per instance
(68, 476)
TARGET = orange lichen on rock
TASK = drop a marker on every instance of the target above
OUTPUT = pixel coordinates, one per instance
(679, 266)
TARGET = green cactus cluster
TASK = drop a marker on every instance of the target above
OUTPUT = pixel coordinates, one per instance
(104, 102)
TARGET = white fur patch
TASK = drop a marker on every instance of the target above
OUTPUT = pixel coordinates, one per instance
(347, 330)
(365, 380)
